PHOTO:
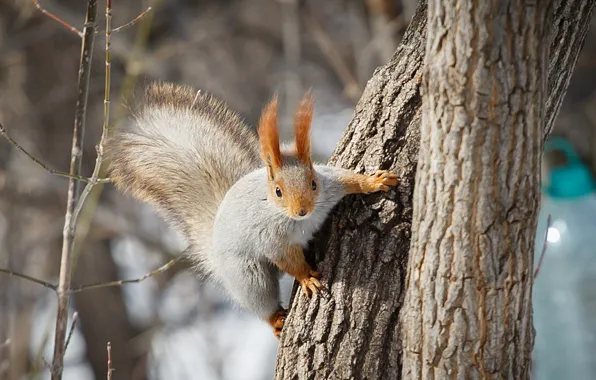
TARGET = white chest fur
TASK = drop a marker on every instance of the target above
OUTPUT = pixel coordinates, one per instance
(302, 231)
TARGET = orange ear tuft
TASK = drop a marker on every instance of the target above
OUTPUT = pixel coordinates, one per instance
(302, 120)
(269, 137)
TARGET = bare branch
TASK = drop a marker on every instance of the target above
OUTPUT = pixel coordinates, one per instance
(46, 363)
(82, 288)
(73, 189)
(157, 271)
(75, 318)
(544, 246)
(87, 212)
(131, 22)
(110, 370)
(29, 278)
(57, 19)
(44, 166)
(106, 119)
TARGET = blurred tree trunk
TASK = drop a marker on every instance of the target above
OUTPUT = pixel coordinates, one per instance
(103, 314)
(468, 306)
(362, 253)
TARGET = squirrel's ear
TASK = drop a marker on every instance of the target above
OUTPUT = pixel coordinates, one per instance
(302, 120)
(269, 137)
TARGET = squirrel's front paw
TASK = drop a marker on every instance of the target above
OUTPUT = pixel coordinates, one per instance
(277, 321)
(382, 180)
(310, 284)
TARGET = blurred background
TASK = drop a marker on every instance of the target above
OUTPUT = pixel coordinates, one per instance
(172, 326)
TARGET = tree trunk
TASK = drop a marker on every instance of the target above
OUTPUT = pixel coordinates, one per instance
(352, 332)
(103, 314)
(468, 306)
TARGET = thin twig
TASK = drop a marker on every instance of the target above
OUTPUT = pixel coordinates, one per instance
(544, 246)
(75, 318)
(157, 271)
(44, 166)
(110, 370)
(131, 22)
(46, 363)
(73, 189)
(29, 278)
(98, 285)
(58, 19)
(106, 119)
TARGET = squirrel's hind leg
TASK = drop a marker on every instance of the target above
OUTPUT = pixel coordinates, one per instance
(254, 285)
(277, 321)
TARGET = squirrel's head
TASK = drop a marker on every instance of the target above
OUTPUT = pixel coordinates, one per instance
(292, 182)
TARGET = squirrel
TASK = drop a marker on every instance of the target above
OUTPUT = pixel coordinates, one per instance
(246, 205)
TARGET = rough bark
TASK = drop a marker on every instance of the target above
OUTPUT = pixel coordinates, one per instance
(569, 25)
(468, 306)
(362, 253)
(352, 330)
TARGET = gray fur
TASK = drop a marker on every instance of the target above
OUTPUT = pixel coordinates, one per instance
(198, 164)
(250, 230)
(182, 161)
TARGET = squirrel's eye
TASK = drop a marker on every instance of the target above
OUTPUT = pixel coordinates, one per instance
(314, 185)
(278, 192)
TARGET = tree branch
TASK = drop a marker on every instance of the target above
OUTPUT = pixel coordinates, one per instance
(88, 211)
(110, 370)
(73, 325)
(44, 166)
(57, 19)
(133, 21)
(29, 278)
(73, 189)
(544, 247)
(99, 285)
(106, 119)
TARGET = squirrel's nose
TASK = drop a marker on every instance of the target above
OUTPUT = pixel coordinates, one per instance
(302, 212)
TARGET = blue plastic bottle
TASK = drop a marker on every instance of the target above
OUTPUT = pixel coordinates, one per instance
(564, 297)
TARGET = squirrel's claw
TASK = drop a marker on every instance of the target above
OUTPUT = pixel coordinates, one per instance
(384, 180)
(311, 284)
(277, 321)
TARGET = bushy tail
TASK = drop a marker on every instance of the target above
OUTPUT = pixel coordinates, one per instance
(181, 153)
